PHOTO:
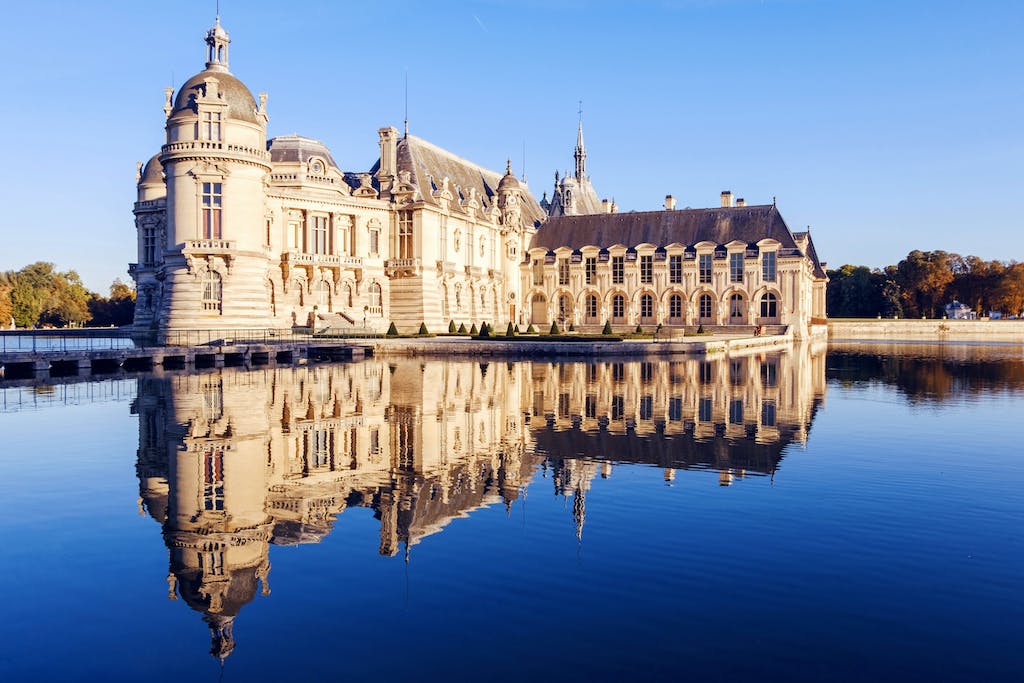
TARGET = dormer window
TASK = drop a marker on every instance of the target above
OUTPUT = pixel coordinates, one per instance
(210, 126)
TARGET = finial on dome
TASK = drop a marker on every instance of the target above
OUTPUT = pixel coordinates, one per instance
(508, 167)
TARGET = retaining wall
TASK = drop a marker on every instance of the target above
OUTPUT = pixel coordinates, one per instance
(928, 330)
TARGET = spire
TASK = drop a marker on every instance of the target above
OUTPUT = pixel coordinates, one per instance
(581, 150)
(217, 47)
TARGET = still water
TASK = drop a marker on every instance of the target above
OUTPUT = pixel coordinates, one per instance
(847, 516)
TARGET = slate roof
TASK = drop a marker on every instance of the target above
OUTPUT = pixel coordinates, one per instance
(748, 224)
(430, 164)
(241, 105)
(297, 148)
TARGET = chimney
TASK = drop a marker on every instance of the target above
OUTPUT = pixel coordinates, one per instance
(726, 198)
(606, 206)
(740, 201)
(670, 202)
(388, 159)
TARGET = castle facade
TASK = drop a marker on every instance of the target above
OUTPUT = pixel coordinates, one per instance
(238, 231)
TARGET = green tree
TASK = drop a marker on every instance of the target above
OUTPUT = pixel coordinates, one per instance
(924, 277)
(118, 309)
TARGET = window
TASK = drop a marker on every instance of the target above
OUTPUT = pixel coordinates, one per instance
(705, 267)
(323, 294)
(705, 306)
(320, 245)
(618, 306)
(405, 248)
(618, 271)
(646, 373)
(736, 412)
(564, 308)
(736, 307)
(592, 306)
(769, 305)
(375, 295)
(768, 266)
(646, 407)
(769, 374)
(646, 306)
(212, 204)
(375, 241)
(768, 413)
(213, 480)
(210, 129)
(736, 267)
(295, 235)
(647, 269)
(675, 307)
(704, 410)
(618, 407)
(538, 271)
(590, 266)
(675, 409)
(675, 269)
(706, 373)
(563, 271)
(212, 292)
(148, 246)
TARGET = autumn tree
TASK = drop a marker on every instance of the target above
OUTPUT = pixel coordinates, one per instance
(924, 276)
(118, 309)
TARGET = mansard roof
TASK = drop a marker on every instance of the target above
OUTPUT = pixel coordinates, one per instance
(298, 148)
(429, 165)
(749, 224)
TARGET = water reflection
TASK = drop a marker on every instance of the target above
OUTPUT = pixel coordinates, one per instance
(930, 373)
(231, 462)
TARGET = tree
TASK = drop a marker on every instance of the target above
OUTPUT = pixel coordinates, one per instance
(6, 309)
(118, 309)
(924, 277)
(41, 295)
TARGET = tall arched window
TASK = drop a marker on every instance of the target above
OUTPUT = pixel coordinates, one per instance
(323, 295)
(592, 306)
(212, 292)
(675, 306)
(705, 306)
(736, 312)
(375, 298)
(618, 306)
(646, 306)
(564, 307)
(769, 305)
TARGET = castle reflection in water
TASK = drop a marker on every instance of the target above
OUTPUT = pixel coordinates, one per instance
(233, 461)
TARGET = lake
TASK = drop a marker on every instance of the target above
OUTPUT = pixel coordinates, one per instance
(852, 514)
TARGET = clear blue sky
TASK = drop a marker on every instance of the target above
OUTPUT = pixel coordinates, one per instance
(884, 125)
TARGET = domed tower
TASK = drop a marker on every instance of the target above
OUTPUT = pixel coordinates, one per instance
(151, 229)
(215, 163)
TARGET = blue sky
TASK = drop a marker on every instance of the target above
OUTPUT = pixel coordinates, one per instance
(884, 125)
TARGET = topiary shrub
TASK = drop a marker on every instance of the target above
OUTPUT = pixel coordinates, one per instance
(510, 331)
(700, 329)
(451, 327)
(554, 328)
(392, 331)
(423, 329)
(607, 327)
(484, 330)
(462, 328)
(639, 330)
(572, 327)
(473, 330)
(517, 329)
(531, 329)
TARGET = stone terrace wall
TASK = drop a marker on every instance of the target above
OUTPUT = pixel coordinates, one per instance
(928, 330)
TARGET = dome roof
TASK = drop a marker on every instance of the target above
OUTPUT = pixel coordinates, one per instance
(152, 172)
(241, 104)
(508, 181)
(298, 149)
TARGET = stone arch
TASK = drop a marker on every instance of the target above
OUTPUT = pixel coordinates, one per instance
(564, 307)
(538, 308)
(704, 305)
(758, 301)
(735, 305)
(618, 306)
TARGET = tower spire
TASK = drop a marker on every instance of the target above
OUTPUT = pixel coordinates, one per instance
(581, 151)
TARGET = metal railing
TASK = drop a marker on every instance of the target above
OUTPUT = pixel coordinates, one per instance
(43, 341)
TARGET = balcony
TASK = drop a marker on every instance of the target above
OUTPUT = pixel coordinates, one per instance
(298, 258)
(402, 267)
(208, 247)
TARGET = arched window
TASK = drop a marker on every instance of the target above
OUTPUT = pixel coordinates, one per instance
(618, 306)
(769, 305)
(675, 306)
(212, 292)
(565, 307)
(323, 295)
(736, 311)
(705, 305)
(348, 296)
(646, 306)
(375, 295)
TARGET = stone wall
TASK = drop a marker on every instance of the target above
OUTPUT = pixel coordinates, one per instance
(928, 330)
